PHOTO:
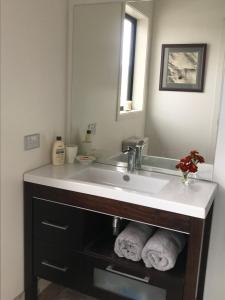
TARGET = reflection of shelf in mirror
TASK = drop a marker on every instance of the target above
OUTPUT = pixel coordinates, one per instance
(159, 165)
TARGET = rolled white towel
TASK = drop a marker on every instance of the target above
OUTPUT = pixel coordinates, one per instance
(131, 240)
(162, 249)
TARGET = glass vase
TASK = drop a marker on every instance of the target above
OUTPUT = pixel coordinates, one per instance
(185, 178)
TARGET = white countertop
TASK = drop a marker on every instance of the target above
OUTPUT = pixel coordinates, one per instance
(193, 200)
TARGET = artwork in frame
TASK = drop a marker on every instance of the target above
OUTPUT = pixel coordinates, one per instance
(183, 67)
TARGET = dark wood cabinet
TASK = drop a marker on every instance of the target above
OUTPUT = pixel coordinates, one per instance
(68, 236)
(63, 225)
(56, 264)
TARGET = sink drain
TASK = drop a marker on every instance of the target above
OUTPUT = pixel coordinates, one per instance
(126, 177)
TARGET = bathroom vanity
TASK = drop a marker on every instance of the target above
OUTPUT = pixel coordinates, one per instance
(68, 213)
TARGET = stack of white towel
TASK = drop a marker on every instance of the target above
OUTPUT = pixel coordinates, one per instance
(158, 249)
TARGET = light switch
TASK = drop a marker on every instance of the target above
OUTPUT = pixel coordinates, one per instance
(31, 141)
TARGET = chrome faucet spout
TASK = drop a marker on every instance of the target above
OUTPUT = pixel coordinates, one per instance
(131, 159)
(138, 154)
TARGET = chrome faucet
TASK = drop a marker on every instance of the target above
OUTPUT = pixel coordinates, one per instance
(138, 154)
(131, 158)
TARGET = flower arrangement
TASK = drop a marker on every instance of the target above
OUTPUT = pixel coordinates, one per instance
(189, 163)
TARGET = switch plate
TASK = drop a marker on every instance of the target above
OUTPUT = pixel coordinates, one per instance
(31, 141)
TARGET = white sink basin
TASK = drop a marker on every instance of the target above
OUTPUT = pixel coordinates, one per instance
(148, 189)
(140, 183)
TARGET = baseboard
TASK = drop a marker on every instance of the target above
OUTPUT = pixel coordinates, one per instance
(20, 297)
(42, 285)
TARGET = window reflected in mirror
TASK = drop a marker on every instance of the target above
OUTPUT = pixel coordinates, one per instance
(133, 60)
(127, 63)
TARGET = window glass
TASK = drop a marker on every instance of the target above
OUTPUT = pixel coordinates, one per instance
(128, 57)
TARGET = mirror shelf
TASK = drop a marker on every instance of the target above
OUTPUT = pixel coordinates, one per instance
(160, 165)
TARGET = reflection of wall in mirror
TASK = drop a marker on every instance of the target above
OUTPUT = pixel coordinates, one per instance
(177, 121)
(96, 58)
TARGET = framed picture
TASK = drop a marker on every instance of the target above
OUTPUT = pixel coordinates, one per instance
(183, 67)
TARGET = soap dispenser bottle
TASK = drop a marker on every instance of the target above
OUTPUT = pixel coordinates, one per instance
(88, 136)
(58, 152)
(86, 145)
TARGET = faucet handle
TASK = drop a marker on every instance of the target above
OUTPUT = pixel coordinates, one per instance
(129, 149)
(140, 144)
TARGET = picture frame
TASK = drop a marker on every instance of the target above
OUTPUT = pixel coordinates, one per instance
(183, 67)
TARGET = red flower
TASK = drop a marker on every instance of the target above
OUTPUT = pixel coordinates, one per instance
(200, 158)
(189, 163)
(184, 168)
(194, 152)
(193, 168)
(188, 159)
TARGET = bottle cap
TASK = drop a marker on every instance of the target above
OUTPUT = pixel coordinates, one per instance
(58, 138)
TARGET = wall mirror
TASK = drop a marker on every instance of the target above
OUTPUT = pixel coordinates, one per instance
(114, 73)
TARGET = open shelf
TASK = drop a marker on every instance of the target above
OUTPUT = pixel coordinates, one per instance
(103, 249)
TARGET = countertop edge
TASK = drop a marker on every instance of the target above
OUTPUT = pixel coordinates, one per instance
(191, 211)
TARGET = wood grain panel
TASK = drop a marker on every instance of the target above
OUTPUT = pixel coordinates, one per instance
(114, 207)
(190, 285)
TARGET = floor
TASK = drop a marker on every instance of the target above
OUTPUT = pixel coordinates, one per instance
(56, 292)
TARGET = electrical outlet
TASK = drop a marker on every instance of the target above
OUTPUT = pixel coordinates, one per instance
(92, 127)
(31, 141)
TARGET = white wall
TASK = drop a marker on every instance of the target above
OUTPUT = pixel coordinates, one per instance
(95, 61)
(180, 121)
(33, 92)
(33, 100)
(215, 276)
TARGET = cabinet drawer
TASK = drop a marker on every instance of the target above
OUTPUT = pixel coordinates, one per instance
(110, 281)
(64, 225)
(57, 264)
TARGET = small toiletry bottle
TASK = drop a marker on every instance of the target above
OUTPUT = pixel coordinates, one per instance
(58, 152)
(88, 136)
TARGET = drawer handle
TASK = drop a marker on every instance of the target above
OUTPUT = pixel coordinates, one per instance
(146, 279)
(46, 223)
(47, 264)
